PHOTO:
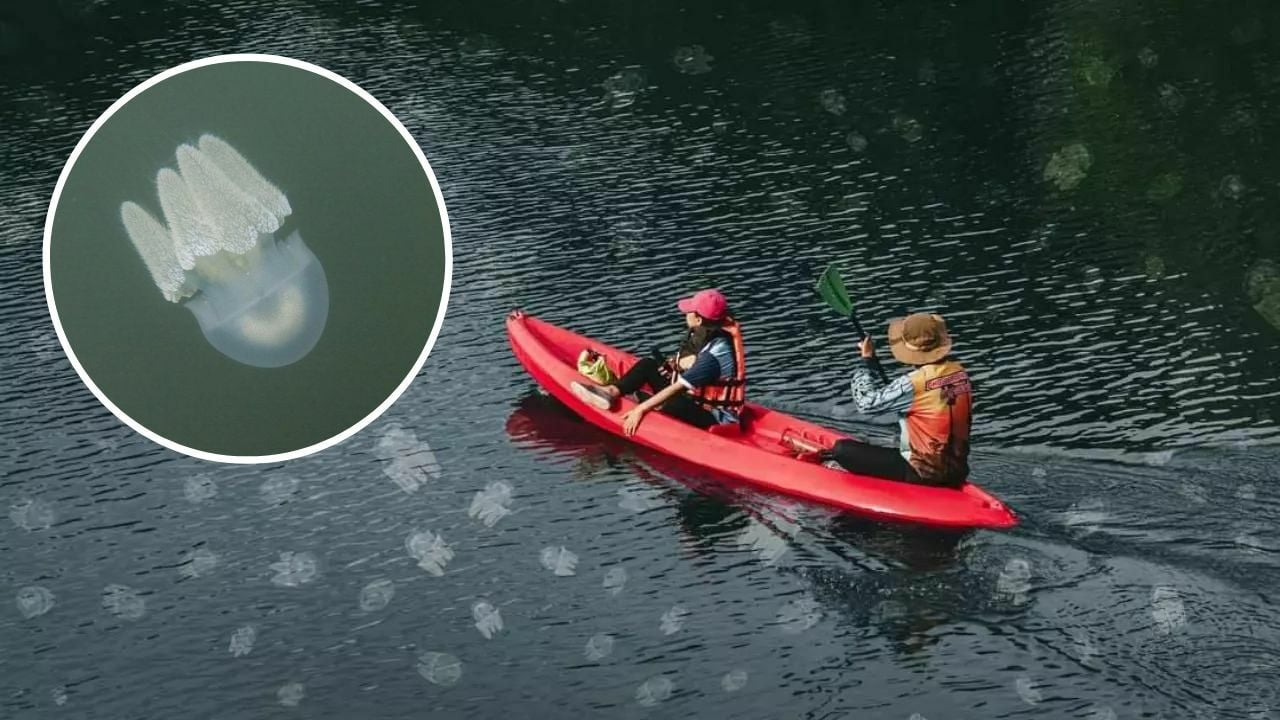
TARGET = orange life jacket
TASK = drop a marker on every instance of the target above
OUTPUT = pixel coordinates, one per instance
(727, 393)
(936, 427)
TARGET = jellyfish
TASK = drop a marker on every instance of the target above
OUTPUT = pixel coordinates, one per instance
(559, 560)
(673, 620)
(654, 690)
(491, 504)
(440, 668)
(799, 615)
(734, 680)
(242, 641)
(1028, 690)
(488, 618)
(259, 300)
(1167, 609)
(377, 595)
(599, 647)
(290, 695)
(615, 579)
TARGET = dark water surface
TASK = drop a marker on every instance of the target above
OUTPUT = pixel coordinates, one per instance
(1086, 191)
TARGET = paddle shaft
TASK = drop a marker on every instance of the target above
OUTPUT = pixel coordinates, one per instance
(857, 327)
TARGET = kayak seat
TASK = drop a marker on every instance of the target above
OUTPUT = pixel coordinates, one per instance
(737, 429)
(726, 430)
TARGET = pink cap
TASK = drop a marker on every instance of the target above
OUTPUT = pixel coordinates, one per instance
(710, 304)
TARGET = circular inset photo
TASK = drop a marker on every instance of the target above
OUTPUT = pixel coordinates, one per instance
(247, 258)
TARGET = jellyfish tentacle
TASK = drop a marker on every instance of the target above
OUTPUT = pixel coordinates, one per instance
(154, 244)
(193, 236)
(242, 173)
(239, 218)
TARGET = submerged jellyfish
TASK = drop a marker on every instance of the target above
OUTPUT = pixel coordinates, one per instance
(799, 615)
(673, 620)
(615, 580)
(654, 690)
(599, 647)
(259, 300)
(488, 618)
(734, 680)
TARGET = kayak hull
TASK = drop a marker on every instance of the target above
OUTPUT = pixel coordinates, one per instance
(762, 452)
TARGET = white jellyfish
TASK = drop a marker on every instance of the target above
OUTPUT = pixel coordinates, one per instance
(599, 647)
(259, 300)
(491, 504)
(294, 569)
(559, 560)
(1069, 166)
(1085, 649)
(198, 562)
(440, 668)
(377, 595)
(124, 602)
(488, 618)
(856, 141)
(34, 601)
(799, 615)
(1167, 609)
(654, 690)
(1087, 516)
(200, 488)
(277, 490)
(411, 464)
(32, 514)
(734, 680)
(290, 695)
(833, 101)
(1014, 582)
(242, 641)
(692, 60)
(673, 620)
(615, 579)
(768, 545)
(1102, 712)
(430, 550)
(639, 500)
(1028, 690)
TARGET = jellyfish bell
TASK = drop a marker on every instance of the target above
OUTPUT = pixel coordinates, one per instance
(259, 300)
(271, 314)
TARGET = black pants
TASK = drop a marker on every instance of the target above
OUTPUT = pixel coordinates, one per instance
(873, 460)
(648, 372)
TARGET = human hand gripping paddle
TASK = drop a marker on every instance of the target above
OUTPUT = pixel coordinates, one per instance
(831, 289)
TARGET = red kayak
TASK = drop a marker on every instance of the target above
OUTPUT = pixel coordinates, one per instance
(762, 451)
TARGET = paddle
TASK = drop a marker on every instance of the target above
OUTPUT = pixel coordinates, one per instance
(831, 289)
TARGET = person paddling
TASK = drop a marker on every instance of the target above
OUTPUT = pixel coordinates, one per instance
(703, 385)
(934, 402)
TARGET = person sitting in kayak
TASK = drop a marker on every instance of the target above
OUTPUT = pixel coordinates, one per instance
(703, 385)
(934, 402)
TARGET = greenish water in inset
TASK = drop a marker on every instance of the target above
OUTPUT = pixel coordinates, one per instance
(361, 201)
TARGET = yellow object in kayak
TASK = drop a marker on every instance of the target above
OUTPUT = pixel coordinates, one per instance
(591, 364)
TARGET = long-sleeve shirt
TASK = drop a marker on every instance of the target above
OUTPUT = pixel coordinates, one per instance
(873, 395)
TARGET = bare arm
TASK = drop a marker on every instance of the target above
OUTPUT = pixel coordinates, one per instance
(631, 421)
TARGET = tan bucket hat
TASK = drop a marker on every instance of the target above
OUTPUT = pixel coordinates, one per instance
(919, 339)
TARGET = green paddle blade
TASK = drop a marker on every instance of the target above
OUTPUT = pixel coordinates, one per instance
(831, 288)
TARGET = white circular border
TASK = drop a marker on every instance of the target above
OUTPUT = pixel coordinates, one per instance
(435, 329)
